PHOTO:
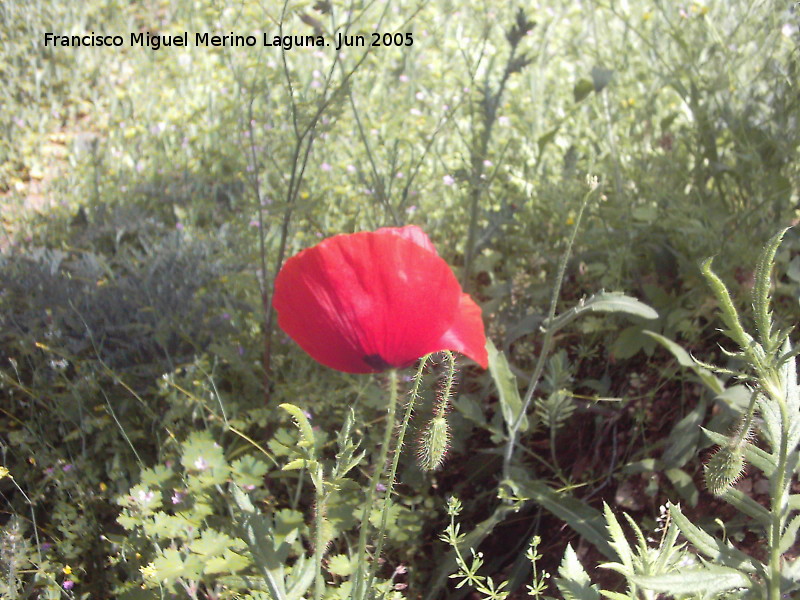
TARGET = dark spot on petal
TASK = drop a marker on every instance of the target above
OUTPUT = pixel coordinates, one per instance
(376, 362)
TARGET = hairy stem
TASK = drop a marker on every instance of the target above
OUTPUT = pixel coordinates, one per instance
(778, 504)
(360, 591)
(387, 503)
(547, 343)
(319, 545)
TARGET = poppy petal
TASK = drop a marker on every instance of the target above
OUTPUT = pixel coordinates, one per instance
(466, 334)
(368, 301)
(413, 234)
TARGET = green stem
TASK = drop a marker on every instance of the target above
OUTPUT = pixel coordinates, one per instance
(359, 590)
(319, 546)
(778, 508)
(395, 462)
(547, 343)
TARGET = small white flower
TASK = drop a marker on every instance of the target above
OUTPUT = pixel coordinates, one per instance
(200, 464)
(146, 496)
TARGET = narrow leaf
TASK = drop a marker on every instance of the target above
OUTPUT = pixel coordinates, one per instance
(789, 536)
(709, 581)
(583, 88)
(303, 425)
(506, 383)
(715, 549)
(619, 302)
(618, 540)
(581, 517)
(762, 286)
(684, 359)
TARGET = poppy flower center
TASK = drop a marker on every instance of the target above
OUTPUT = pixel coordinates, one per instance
(377, 362)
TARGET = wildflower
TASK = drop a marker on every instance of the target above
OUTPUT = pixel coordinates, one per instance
(370, 301)
(4, 473)
(201, 464)
(68, 584)
(326, 167)
(146, 496)
(67, 570)
(448, 180)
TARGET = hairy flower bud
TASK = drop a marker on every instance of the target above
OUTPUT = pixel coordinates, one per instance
(724, 469)
(434, 444)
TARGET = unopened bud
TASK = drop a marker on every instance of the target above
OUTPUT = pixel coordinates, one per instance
(434, 444)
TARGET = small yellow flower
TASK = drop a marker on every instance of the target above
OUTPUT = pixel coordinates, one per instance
(647, 16)
(4, 473)
(570, 220)
(67, 570)
(304, 195)
(103, 487)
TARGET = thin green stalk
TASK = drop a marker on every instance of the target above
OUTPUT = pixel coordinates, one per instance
(319, 546)
(547, 343)
(778, 508)
(359, 590)
(393, 472)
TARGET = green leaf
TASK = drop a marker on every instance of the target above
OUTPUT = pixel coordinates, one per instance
(601, 77)
(204, 460)
(574, 583)
(581, 517)
(506, 383)
(762, 287)
(729, 314)
(619, 302)
(299, 463)
(789, 535)
(248, 470)
(213, 543)
(583, 88)
(301, 578)
(618, 540)
(684, 485)
(682, 444)
(303, 425)
(684, 359)
(340, 565)
(229, 562)
(547, 138)
(718, 551)
(745, 504)
(709, 581)
(257, 532)
(628, 343)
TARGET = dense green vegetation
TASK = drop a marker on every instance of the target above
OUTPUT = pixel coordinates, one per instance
(149, 402)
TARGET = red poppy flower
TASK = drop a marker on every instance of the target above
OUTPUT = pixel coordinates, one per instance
(370, 301)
